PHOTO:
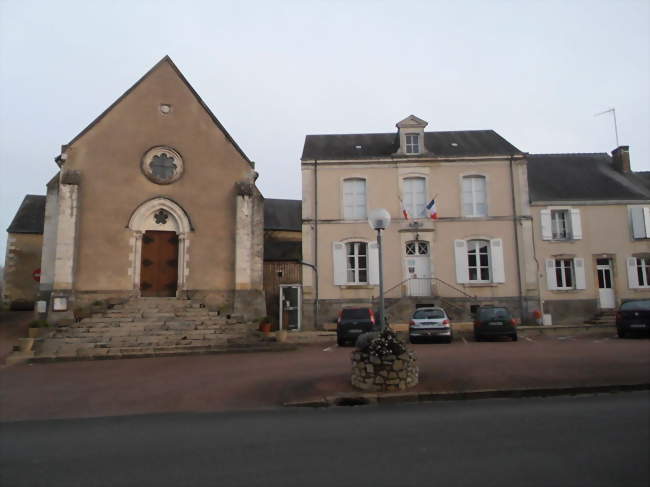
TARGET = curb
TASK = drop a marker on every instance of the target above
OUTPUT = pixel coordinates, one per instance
(366, 399)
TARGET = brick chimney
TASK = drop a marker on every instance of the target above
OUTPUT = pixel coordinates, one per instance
(621, 158)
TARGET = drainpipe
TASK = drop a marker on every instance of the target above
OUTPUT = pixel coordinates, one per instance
(515, 219)
(316, 304)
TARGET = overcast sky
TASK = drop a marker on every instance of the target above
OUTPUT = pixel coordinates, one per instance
(274, 71)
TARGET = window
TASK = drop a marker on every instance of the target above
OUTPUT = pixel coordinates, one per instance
(354, 199)
(640, 217)
(417, 247)
(643, 271)
(564, 273)
(412, 143)
(357, 262)
(478, 260)
(415, 196)
(560, 225)
(474, 196)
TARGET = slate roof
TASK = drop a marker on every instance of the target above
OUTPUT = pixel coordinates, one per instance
(283, 215)
(30, 216)
(576, 177)
(468, 143)
(280, 250)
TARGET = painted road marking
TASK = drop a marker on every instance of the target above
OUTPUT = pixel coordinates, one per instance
(565, 338)
(328, 349)
(529, 339)
(464, 341)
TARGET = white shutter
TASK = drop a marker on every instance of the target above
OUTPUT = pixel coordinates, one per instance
(460, 252)
(550, 274)
(646, 221)
(579, 270)
(576, 224)
(496, 256)
(373, 263)
(632, 275)
(638, 222)
(546, 224)
(338, 259)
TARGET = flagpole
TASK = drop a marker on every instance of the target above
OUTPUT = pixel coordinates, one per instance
(613, 112)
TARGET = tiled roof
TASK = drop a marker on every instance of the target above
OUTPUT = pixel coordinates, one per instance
(30, 216)
(283, 215)
(570, 177)
(465, 143)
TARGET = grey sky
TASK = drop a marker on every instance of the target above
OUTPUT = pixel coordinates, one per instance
(274, 71)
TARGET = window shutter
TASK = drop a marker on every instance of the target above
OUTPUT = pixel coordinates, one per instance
(373, 263)
(638, 222)
(460, 252)
(546, 224)
(550, 274)
(576, 224)
(632, 276)
(496, 256)
(646, 221)
(579, 270)
(338, 259)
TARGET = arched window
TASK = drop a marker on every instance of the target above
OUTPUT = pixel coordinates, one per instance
(474, 196)
(354, 199)
(415, 197)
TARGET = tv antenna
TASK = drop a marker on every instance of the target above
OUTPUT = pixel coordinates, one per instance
(613, 112)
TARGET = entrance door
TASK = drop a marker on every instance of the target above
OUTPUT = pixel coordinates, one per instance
(159, 264)
(418, 268)
(605, 290)
(290, 307)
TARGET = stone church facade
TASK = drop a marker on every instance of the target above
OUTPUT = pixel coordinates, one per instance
(154, 199)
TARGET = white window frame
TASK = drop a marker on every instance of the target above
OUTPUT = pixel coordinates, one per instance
(473, 201)
(488, 266)
(642, 268)
(350, 199)
(561, 286)
(561, 218)
(639, 222)
(352, 250)
(412, 143)
(549, 227)
(411, 205)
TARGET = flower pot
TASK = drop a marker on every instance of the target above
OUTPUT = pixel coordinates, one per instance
(265, 328)
(281, 335)
(26, 344)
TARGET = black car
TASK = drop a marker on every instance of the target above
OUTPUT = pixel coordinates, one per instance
(493, 322)
(352, 322)
(633, 317)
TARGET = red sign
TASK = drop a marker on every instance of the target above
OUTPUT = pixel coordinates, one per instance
(37, 275)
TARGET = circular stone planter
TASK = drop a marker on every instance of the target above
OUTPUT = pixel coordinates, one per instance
(386, 373)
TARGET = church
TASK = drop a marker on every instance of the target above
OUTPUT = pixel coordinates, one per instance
(153, 199)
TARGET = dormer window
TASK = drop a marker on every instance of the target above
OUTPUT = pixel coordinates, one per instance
(412, 143)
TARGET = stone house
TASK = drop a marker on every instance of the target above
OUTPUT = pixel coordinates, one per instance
(154, 199)
(23, 255)
(497, 236)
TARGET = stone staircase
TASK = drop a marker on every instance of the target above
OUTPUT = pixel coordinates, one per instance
(148, 327)
(604, 317)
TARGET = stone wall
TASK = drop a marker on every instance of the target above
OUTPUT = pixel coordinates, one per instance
(386, 373)
(22, 259)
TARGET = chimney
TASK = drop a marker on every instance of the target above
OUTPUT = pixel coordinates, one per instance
(621, 158)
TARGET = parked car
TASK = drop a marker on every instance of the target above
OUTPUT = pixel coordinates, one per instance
(494, 321)
(633, 317)
(430, 323)
(352, 322)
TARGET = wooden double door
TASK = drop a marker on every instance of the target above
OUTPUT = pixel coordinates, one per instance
(159, 264)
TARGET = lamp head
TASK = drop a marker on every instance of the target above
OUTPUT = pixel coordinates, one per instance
(379, 219)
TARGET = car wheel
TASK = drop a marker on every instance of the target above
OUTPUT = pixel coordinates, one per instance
(620, 333)
(477, 337)
(449, 339)
(412, 339)
(514, 337)
(339, 341)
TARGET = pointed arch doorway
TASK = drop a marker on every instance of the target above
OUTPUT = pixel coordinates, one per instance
(159, 248)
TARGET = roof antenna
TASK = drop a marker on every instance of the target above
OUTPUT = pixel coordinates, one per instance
(613, 111)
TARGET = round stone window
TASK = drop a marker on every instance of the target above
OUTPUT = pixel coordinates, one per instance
(162, 165)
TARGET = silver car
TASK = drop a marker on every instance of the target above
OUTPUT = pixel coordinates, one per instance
(430, 323)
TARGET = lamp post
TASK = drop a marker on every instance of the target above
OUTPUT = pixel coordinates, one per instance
(379, 219)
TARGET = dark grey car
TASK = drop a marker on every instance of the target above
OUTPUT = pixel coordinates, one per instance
(493, 322)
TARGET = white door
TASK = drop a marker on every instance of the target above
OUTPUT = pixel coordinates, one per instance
(290, 314)
(418, 268)
(605, 289)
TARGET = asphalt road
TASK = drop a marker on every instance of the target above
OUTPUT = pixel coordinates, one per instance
(564, 441)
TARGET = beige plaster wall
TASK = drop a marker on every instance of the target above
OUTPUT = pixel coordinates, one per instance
(606, 232)
(22, 259)
(112, 185)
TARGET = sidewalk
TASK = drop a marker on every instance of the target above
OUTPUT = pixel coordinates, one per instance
(261, 380)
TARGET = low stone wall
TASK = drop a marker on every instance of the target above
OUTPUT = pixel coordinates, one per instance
(387, 373)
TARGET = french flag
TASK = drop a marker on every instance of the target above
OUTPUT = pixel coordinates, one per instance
(404, 212)
(432, 209)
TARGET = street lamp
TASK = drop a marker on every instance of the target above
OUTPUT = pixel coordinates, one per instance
(379, 219)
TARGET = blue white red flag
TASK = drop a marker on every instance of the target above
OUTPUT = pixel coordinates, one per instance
(404, 212)
(432, 209)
